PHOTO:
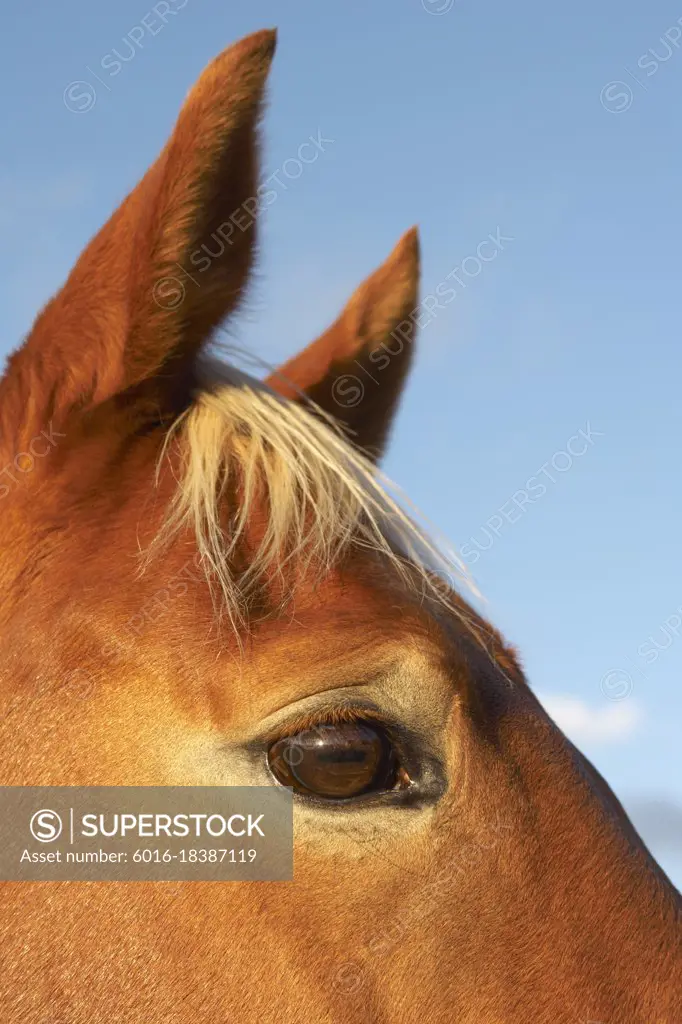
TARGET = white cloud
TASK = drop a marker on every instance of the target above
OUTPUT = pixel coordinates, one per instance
(598, 723)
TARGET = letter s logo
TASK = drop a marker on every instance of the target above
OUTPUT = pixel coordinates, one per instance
(46, 826)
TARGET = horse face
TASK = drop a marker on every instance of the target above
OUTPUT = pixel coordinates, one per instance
(472, 866)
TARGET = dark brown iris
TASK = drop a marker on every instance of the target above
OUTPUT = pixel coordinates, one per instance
(336, 761)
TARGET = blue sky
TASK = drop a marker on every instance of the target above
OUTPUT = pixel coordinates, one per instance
(470, 118)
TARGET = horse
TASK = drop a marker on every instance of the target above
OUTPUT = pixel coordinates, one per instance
(198, 566)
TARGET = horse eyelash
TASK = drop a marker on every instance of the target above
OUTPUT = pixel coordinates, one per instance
(339, 714)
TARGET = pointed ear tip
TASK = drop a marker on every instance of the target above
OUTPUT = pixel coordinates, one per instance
(407, 247)
(250, 53)
(405, 257)
(258, 48)
(262, 43)
(411, 242)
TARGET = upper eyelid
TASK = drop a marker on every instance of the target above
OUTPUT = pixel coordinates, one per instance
(348, 709)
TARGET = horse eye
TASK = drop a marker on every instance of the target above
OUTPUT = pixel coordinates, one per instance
(337, 761)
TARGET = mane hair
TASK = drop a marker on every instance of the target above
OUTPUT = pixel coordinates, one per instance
(321, 494)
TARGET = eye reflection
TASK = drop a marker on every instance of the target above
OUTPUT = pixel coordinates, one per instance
(336, 761)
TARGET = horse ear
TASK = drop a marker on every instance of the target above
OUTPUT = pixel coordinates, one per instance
(356, 370)
(168, 266)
